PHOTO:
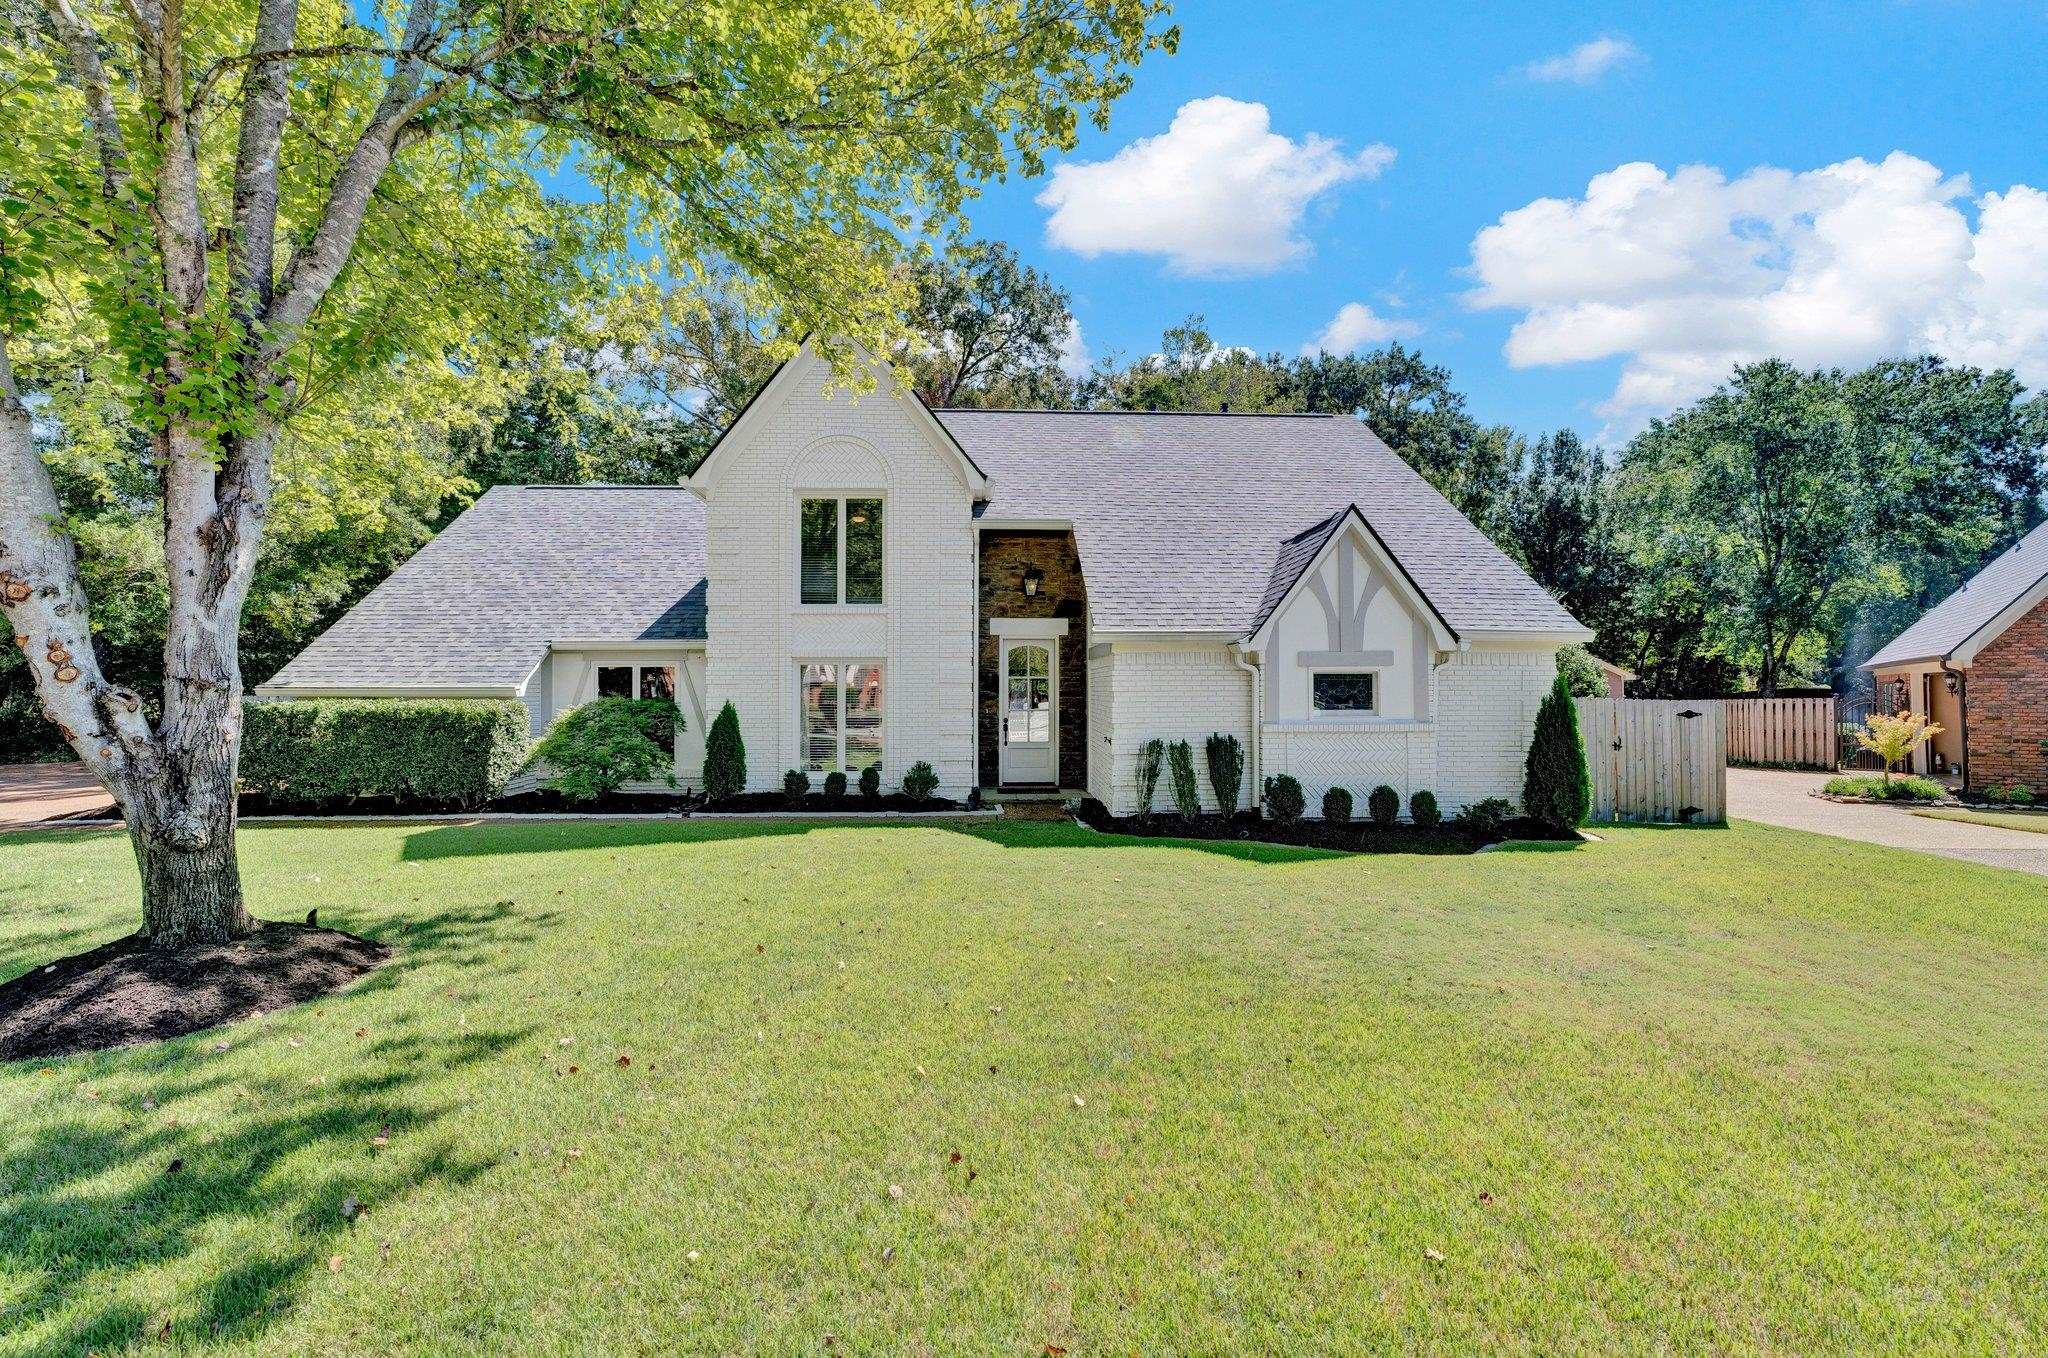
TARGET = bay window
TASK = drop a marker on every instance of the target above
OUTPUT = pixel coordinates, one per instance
(841, 714)
(839, 550)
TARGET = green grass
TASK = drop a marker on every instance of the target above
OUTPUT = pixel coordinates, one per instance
(2036, 821)
(1683, 1090)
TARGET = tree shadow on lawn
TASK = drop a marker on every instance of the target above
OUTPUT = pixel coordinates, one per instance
(502, 837)
(66, 1242)
(69, 1242)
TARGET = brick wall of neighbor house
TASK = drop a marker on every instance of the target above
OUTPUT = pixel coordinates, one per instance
(923, 635)
(2008, 712)
(1004, 558)
(1484, 711)
(1171, 694)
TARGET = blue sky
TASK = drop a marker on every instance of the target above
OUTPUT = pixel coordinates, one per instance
(1446, 118)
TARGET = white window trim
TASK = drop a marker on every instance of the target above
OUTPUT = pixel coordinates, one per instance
(1348, 714)
(803, 743)
(804, 493)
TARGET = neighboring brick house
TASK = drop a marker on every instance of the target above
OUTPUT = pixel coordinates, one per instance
(1977, 662)
(1021, 598)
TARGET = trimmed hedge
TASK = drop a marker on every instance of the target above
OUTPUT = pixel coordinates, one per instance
(429, 752)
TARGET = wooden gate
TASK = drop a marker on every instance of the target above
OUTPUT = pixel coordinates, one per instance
(1656, 759)
(1795, 733)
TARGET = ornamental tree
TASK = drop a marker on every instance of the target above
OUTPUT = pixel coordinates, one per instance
(1894, 737)
(258, 202)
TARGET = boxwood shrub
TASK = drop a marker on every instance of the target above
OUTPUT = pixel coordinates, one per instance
(429, 752)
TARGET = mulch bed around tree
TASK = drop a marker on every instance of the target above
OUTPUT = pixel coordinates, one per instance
(126, 992)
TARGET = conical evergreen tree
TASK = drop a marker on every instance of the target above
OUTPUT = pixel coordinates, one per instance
(725, 757)
(1559, 786)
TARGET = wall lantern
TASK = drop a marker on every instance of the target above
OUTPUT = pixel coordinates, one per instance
(1951, 681)
(1033, 578)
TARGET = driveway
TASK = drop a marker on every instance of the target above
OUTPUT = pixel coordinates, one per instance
(1777, 797)
(33, 792)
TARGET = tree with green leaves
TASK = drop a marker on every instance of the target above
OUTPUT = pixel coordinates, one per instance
(1191, 373)
(262, 203)
(1557, 788)
(987, 331)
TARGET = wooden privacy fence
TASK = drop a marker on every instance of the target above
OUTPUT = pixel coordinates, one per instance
(1656, 759)
(1784, 732)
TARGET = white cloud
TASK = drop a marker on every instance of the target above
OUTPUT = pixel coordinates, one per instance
(1685, 274)
(1585, 63)
(1074, 358)
(1218, 193)
(1354, 325)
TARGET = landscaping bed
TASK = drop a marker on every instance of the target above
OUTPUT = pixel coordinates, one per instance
(1343, 836)
(815, 803)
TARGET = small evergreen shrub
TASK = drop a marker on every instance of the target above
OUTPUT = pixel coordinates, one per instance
(1284, 798)
(1337, 804)
(871, 781)
(1150, 755)
(1226, 770)
(796, 783)
(1422, 809)
(725, 757)
(593, 750)
(438, 752)
(1485, 818)
(1384, 805)
(835, 784)
(921, 782)
(1180, 764)
(2011, 794)
(1559, 787)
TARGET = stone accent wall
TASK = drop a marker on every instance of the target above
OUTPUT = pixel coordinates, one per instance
(2008, 714)
(1004, 557)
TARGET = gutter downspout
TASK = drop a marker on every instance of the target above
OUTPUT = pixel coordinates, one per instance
(1962, 678)
(1258, 674)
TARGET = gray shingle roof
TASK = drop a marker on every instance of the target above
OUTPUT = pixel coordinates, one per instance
(1946, 626)
(520, 567)
(1289, 562)
(1180, 518)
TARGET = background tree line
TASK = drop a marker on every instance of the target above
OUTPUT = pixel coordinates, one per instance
(1770, 534)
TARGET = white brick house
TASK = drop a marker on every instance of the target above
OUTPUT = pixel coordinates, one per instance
(1021, 598)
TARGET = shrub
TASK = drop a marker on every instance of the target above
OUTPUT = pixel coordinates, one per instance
(1150, 755)
(2011, 794)
(594, 750)
(795, 783)
(921, 782)
(871, 781)
(1894, 738)
(1180, 763)
(1559, 786)
(1337, 804)
(725, 757)
(1485, 818)
(1422, 809)
(1907, 788)
(1284, 799)
(1581, 674)
(835, 784)
(1384, 805)
(1226, 770)
(440, 752)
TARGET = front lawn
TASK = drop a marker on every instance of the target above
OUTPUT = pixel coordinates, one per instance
(646, 1088)
(2035, 821)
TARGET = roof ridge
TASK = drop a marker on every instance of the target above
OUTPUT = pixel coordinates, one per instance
(585, 485)
(1068, 410)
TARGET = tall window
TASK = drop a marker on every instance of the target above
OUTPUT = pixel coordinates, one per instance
(842, 716)
(841, 551)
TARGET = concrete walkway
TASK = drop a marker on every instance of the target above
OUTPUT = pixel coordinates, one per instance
(1778, 797)
(33, 792)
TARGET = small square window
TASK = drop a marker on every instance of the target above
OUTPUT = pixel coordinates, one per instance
(658, 681)
(614, 681)
(1342, 692)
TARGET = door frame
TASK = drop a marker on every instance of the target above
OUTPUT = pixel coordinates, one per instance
(1010, 632)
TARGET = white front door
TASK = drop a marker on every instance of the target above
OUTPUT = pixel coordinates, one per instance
(1030, 712)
